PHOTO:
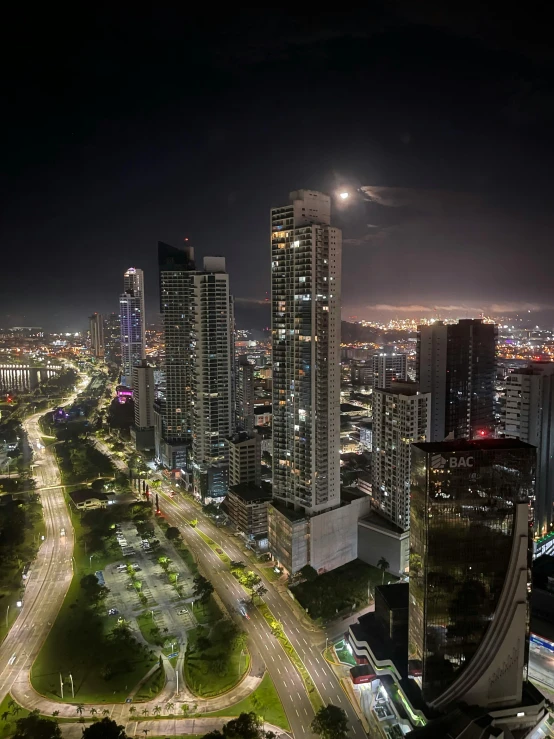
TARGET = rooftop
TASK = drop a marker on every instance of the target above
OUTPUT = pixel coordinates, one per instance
(289, 513)
(374, 519)
(80, 496)
(471, 445)
(248, 492)
(396, 596)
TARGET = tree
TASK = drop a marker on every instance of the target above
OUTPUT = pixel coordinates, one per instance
(309, 573)
(80, 707)
(105, 729)
(172, 533)
(210, 509)
(250, 580)
(383, 565)
(93, 590)
(202, 588)
(35, 726)
(246, 726)
(132, 710)
(157, 710)
(330, 722)
(169, 707)
(260, 591)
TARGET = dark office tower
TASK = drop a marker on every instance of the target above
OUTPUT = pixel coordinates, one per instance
(174, 409)
(245, 394)
(112, 337)
(97, 335)
(456, 363)
(469, 557)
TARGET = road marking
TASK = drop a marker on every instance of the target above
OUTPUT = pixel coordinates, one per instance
(296, 709)
(305, 642)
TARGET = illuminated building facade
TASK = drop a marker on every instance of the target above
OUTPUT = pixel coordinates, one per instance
(96, 324)
(469, 558)
(387, 368)
(132, 323)
(528, 415)
(173, 421)
(456, 363)
(245, 397)
(305, 325)
(143, 396)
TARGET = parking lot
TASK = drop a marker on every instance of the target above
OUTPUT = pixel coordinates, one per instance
(169, 611)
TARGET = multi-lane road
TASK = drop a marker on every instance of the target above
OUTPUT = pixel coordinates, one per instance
(51, 572)
(307, 644)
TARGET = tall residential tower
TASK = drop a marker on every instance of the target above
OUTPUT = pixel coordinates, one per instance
(132, 321)
(305, 327)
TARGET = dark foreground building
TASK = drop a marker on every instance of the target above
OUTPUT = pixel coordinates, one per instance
(469, 570)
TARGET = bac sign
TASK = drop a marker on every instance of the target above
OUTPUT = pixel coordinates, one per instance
(438, 462)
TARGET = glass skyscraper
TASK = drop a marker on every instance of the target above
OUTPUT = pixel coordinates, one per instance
(469, 558)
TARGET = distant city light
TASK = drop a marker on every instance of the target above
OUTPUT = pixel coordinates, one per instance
(344, 195)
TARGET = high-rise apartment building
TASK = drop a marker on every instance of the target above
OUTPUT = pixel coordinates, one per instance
(529, 416)
(144, 396)
(401, 417)
(469, 559)
(112, 337)
(456, 363)
(245, 394)
(388, 368)
(212, 377)
(305, 325)
(132, 323)
(174, 408)
(97, 347)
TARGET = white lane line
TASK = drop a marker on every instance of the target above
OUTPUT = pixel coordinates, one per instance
(296, 709)
(305, 642)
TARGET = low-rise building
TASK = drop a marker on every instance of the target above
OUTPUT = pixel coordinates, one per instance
(90, 499)
(247, 508)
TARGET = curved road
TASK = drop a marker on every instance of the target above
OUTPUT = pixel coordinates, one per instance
(51, 572)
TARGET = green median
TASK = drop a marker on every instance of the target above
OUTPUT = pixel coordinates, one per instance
(277, 629)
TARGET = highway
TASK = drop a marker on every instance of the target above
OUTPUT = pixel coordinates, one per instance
(289, 685)
(51, 572)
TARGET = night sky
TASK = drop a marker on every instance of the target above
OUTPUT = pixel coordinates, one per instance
(123, 130)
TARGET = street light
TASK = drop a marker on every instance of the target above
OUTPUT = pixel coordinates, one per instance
(90, 560)
(7, 614)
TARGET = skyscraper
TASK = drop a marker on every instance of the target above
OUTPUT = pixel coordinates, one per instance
(305, 327)
(469, 559)
(529, 416)
(97, 347)
(132, 321)
(389, 367)
(112, 337)
(400, 418)
(212, 378)
(143, 396)
(174, 408)
(245, 395)
(456, 363)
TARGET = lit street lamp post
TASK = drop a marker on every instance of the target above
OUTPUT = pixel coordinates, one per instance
(72, 688)
(7, 614)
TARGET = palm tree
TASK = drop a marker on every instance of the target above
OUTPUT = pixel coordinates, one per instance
(145, 711)
(169, 707)
(80, 707)
(105, 712)
(383, 565)
(93, 711)
(55, 713)
(157, 710)
(132, 710)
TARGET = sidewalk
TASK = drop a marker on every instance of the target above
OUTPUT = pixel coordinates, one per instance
(167, 727)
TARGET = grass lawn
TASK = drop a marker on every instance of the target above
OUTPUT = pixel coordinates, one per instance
(149, 630)
(263, 701)
(216, 667)
(27, 515)
(206, 613)
(151, 687)
(105, 666)
(343, 654)
(343, 588)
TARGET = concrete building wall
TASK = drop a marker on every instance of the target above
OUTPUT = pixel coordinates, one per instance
(375, 542)
(333, 535)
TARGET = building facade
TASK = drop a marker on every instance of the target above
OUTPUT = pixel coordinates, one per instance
(456, 363)
(112, 337)
(245, 459)
(469, 558)
(388, 368)
(401, 417)
(247, 507)
(305, 325)
(174, 407)
(529, 416)
(132, 323)
(96, 328)
(245, 397)
(212, 378)
(144, 391)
